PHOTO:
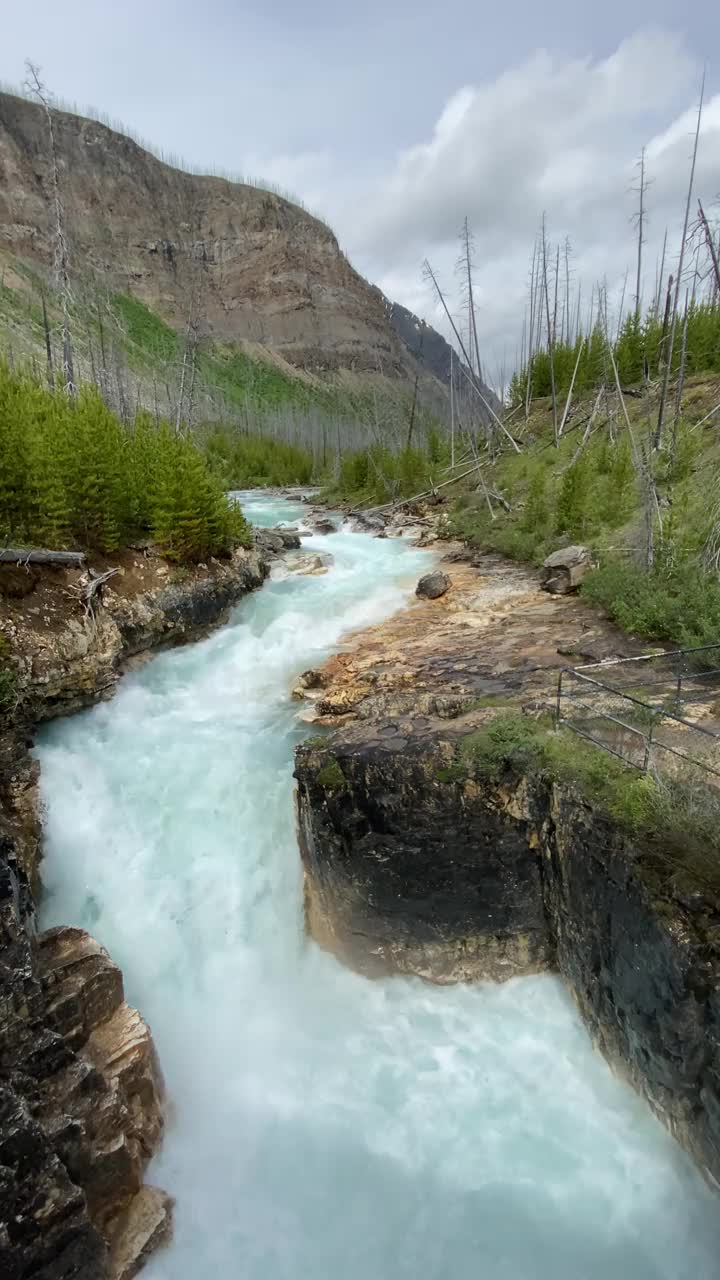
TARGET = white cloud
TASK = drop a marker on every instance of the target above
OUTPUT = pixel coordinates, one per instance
(555, 135)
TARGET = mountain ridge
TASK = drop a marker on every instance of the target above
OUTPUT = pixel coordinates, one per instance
(252, 266)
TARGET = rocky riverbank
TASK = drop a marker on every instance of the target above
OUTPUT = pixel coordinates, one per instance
(81, 1093)
(415, 862)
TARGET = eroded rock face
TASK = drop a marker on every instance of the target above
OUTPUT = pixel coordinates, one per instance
(640, 949)
(80, 1101)
(414, 865)
(73, 666)
(409, 873)
(65, 661)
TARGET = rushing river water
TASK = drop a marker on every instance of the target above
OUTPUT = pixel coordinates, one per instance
(325, 1127)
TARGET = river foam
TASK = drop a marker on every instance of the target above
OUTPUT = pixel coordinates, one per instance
(323, 1125)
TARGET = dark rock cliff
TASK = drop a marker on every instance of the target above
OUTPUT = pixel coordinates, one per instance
(408, 874)
(413, 868)
(431, 350)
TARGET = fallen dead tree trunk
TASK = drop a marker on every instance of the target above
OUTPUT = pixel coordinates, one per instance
(429, 493)
(28, 555)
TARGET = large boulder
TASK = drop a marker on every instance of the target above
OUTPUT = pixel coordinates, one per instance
(323, 525)
(369, 523)
(433, 585)
(275, 541)
(564, 570)
(310, 564)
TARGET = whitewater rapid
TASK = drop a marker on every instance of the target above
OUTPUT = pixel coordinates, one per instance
(323, 1126)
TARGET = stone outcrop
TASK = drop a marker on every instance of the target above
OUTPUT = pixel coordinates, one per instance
(564, 570)
(275, 541)
(80, 1103)
(413, 865)
(66, 659)
(407, 874)
(433, 585)
(321, 524)
(496, 634)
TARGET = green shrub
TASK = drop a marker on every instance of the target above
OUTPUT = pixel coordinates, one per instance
(677, 604)
(678, 818)
(510, 739)
(377, 475)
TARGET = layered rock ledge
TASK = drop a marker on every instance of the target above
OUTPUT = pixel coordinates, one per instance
(416, 864)
(81, 1093)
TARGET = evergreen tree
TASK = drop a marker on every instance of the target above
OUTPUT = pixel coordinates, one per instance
(72, 474)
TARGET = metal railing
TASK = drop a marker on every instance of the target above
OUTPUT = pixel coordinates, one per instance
(641, 711)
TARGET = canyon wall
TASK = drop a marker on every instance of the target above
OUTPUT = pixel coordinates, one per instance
(413, 865)
(81, 1091)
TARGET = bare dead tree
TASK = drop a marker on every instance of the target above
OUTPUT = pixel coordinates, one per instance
(555, 303)
(570, 391)
(589, 430)
(38, 90)
(534, 279)
(185, 359)
(681, 371)
(91, 354)
(48, 342)
(640, 222)
(122, 403)
(621, 308)
(104, 381)
(666, 314)
(673, 324)
(551, 345)
(466, 260)
(661, 276)
(712, 250)
(452, 409)
(471, 377)
(566, 311)
(193, 376)
(642, 461)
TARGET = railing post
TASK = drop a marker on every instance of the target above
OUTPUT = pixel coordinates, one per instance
(648, 748)
(559, 698)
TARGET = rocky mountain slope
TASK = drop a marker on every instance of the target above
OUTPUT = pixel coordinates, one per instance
(256, 269)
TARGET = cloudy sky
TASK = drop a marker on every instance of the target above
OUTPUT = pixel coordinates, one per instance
(395, 119)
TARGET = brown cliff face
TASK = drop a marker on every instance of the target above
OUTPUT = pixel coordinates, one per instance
(262, 269)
